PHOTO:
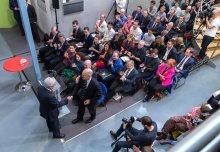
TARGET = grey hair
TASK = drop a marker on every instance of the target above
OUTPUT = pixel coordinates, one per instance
(49, 82)
(89, 72)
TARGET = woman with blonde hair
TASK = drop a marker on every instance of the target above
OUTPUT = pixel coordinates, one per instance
(162, 79)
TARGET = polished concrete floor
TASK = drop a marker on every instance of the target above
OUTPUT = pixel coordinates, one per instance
(23, 130)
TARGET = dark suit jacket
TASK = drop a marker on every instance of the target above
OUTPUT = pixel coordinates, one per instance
(169, 36)
(31, 13)
(131, 77)
(182, 27)
(64, 47)
(157, 29)
(173, 19)
(139, 53)
(151, 64)
(56, 38)
(139, 15)
(78, 35)
(172, 54)
(49, 104)
(93, 91)
(88, 41)
(187, 66)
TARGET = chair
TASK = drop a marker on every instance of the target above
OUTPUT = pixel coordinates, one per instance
(178, 82)
(147, 80)
(104, 93)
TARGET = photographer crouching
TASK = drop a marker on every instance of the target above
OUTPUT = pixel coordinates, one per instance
(140, 138)
(212, 26)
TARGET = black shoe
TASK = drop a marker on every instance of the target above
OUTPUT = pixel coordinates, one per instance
(146, 99)
(89, 120)
(113, 135)
(76, 121)
(59, 136)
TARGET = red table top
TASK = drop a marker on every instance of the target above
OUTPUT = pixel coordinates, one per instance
(14, 64)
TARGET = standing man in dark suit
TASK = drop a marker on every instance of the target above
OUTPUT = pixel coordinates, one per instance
(33, 22)
(49, 106)
(87, 92)
(13, 5)
(185, 63)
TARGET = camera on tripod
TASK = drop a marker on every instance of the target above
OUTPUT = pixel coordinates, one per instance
(206, 11)
(130, 121)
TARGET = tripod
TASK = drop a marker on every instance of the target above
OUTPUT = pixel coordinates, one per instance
(123, 135)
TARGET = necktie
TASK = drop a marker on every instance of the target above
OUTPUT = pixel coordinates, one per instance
(154, 25)
(83, 90)
(181, 63)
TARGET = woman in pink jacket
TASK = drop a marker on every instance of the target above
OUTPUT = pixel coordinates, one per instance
(162, 79)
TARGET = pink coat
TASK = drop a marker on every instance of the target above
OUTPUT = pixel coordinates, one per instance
(167, 75)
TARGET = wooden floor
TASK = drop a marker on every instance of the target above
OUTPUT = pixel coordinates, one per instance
(214, 47)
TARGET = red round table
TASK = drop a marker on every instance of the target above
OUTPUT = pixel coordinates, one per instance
(17, 64)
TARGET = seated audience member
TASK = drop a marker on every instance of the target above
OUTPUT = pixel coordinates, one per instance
(150, 65)
(109, 33)
(68, 57)
(163, 3)
(179, 45)
(127, 44)
(114, 65)
(168, 33)
(185, 5)
(144, 137)
(128, 24)
(180, 26)
(137, 14)
(86, 96)
(120, 4)
(182, 123)
(125, 82)
(143, 149)
(156, 26)
(185, 63)
(95, 49)
(169, 52)
(186, 13)
(104, 56)
(162, 79)
(152, 10)
(48, 49)
(158, 44)
(138, 53)
(161, 14)
(87, 41)
(171, 17)
(53, 59)
(136, 32)
(145, 20)
(117, 40)
(148, 38)
(120, 20)
(77, 34)
(101, 25)
(178, 10)
(214, 101)
(77, 63)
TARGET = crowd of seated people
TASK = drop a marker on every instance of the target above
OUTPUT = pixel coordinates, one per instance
(150, 40)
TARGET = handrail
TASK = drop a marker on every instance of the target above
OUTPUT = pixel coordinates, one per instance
(200, 136)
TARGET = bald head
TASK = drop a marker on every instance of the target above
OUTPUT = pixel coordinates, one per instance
(87, 74)
(87, 64)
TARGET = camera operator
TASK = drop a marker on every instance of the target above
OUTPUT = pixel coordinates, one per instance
(140, 138)
(212, 26)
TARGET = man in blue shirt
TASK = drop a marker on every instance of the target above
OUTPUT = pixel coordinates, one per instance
(120, 20)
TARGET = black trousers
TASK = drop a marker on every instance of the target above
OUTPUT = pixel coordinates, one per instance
(54, 126)
(81, 110)
(154, 86)
(59, 67)
(205, 42)
(125, 144)
(35, 33)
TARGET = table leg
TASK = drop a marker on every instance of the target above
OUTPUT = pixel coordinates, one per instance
(22, 86)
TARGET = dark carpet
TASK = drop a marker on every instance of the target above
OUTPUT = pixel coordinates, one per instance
(19, 46)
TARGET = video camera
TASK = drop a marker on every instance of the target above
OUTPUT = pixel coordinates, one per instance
(206, 11)
(130, 121)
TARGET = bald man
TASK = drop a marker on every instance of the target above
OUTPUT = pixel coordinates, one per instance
(87, 92)
(49, 106)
